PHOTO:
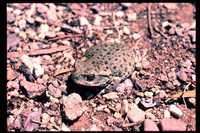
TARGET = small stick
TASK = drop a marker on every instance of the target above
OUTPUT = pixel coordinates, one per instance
(63, 37)
(38, 52)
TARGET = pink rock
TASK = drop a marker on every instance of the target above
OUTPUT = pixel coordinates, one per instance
(172, 125)
(150, 125)
(32, 89)
(54, 91)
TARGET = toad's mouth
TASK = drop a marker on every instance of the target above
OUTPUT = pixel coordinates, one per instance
(91, 80)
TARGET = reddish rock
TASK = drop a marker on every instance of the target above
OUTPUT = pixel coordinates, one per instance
(54, 91)
(32, 89)
(11, 74)
(172, 125)
(73, 106)
(150, 125)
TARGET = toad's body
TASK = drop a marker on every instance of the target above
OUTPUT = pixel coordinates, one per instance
(104, 63)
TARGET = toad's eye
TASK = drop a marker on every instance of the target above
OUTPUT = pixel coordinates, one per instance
(90, 77)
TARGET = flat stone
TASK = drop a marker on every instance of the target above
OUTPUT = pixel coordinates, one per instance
(111, 95)
(172, 125)
(32, 89)
(73, 106)
(135, 114)
(150, 125)
(175, 111)
(182, 75)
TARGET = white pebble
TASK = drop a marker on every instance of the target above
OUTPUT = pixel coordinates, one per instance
(175, 111)
(83, 21)
(126, 30)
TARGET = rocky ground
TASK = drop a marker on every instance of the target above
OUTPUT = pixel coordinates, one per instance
(44, 41)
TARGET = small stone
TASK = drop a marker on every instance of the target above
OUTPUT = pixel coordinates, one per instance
(41, 8)
(22, 24)
(117, 115)
(13, 84)
(83, 21)
(176, 83)
(192, 100)
(111, 95)
(125, 106)
(12, 40)
(126, 30)
(10, 17)
(119, 14)
(32, 89)
(175, 111)
(170, 86)
(135, 114)
(109, 32)
(163, 77)
(147, 103)
(97, 20)
(182, 75)
(121, 88)
(65, 127)
(54, 91)
(150, 125)
(149, 115)
(136, 36)
(45, 118)
(126, 4)
(73, 106)
(167, 114)
(172, 125)
(44, 28)
(148, 94)
(38, 70)
(192, 35)
(11, 74)
(132, 16)
(101, 107)
(170, 6)
(110, 121)
(94, 127)
(162, 94)
(137, 100)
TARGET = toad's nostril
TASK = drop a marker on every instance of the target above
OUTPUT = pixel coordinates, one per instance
(90, 77)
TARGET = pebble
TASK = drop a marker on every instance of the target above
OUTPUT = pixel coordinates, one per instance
(162, 94)
(119, 14)
(41, 8)
(192, 34)
(33, 89)
(132, 16)
(170, 86)
(73, 106)
(182, 75)
(11, 74)
(170, 6)
(33, 65)
(54, 91)
(147, 103)
(10, 17)
(192, 100)
(172, 125)
(126, 4)
(148, 94)
(117, 115)
(150, 125)
(176, 83)
(135, 114)
(83, 21)
(137, 100)
(94, 127)
(101, 107)
(175, 111)
(124, 106)
(22, 24)
(12, 40)
(149, 115)
(166, 114)
(13, 84)
(65, 127)
(45, 118)
(97, 20)
(121, 87)
(136, 36)
(111, 95)
(126, 30)
(44, 28)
